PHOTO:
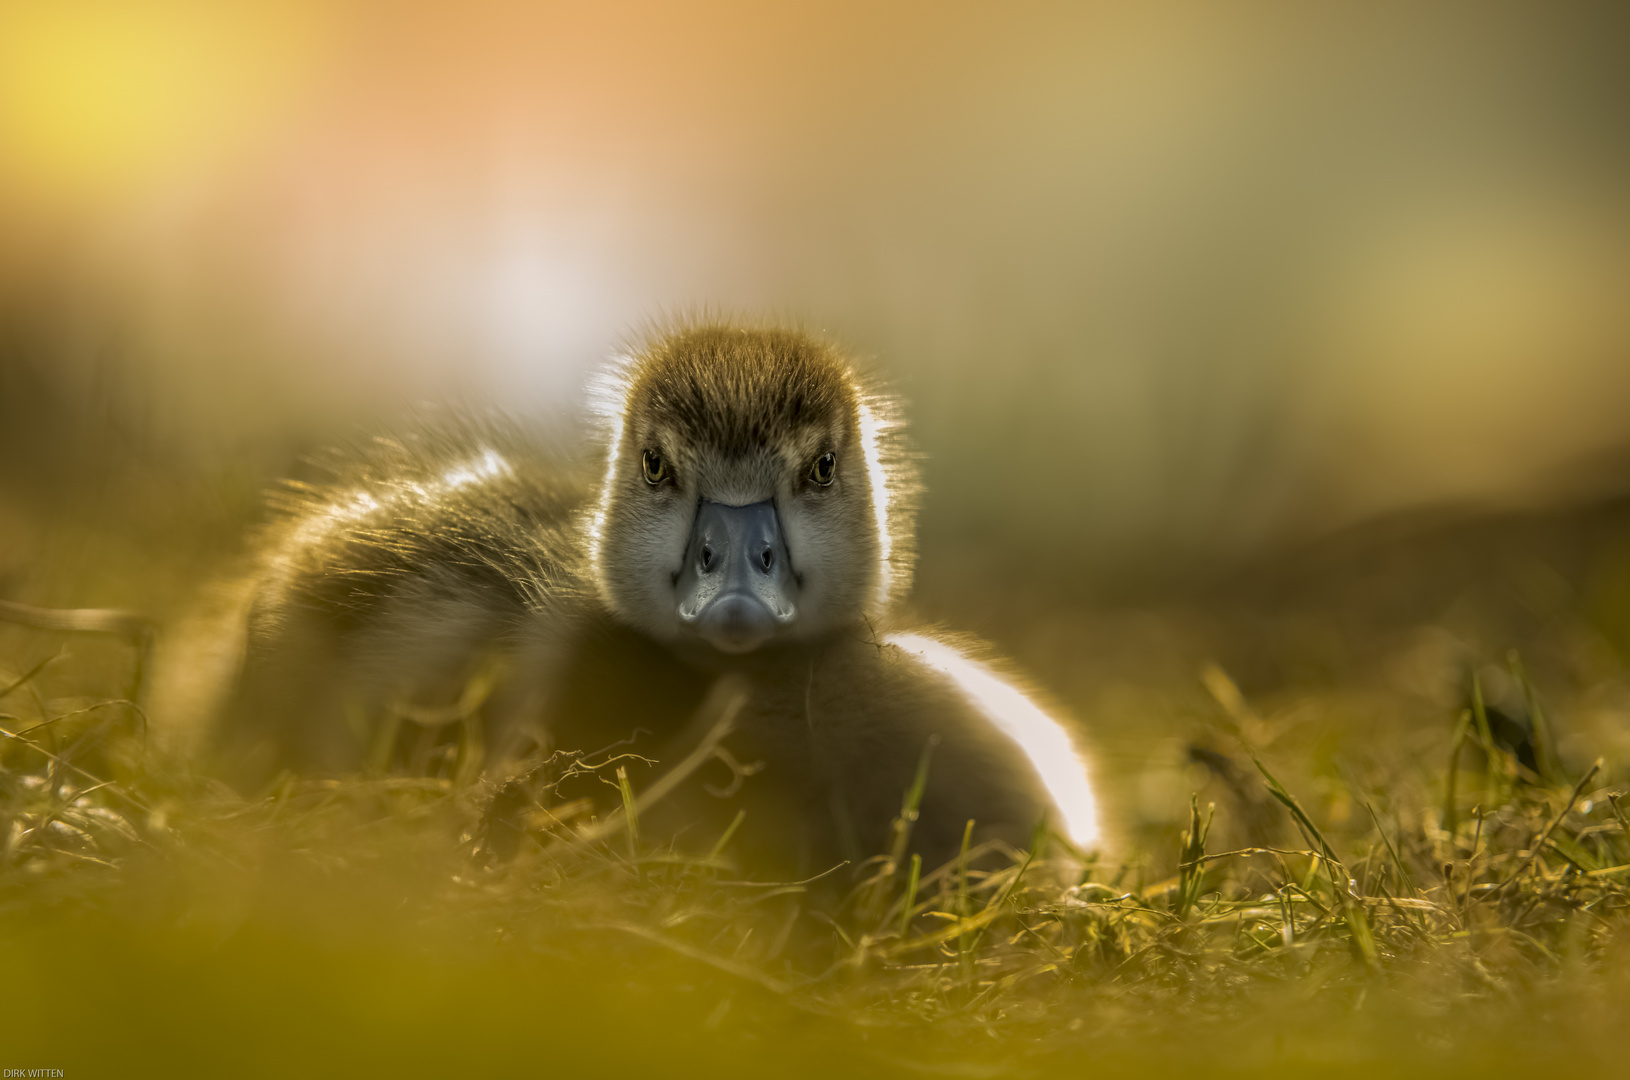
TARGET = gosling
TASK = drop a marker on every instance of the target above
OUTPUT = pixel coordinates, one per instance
(748, 515)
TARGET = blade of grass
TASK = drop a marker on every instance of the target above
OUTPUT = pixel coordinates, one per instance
(1191, 864)
(631, 814)
(1358, 923)
(1451, 813)
(1397, 860)
(876, 894)
(912, 878)
(1493, 757)
(32, 673)
(962, 906)
(725, 837)
(1550, 770)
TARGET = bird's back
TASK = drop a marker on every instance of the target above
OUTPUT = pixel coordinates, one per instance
(413, 565)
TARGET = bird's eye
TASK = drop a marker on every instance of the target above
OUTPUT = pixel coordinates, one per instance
(656, 469)
(825, 469)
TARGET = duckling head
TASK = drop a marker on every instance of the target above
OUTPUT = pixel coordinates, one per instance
(756, 490)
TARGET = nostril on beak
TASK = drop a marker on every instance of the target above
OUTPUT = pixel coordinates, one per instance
(707, 559)
(767, 558)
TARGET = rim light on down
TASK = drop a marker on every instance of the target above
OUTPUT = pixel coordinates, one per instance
(871, 430)
(1043, 741)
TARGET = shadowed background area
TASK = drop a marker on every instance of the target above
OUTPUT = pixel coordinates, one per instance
(1162, 282)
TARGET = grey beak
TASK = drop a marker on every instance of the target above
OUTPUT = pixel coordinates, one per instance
(737, 588)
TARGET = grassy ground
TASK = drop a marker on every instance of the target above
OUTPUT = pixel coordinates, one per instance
(1356, 833)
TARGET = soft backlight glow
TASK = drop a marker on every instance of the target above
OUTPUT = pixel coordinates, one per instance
(1041, 738)
(489, 467)
(349, 510)
(608, 400)
(870, 435)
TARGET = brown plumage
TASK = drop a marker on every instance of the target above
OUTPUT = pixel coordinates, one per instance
(738, 390)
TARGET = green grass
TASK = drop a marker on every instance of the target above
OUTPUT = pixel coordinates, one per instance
(1465, 919)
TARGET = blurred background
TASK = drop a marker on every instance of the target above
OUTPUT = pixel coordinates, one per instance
(1292, 338)
(1158, 279)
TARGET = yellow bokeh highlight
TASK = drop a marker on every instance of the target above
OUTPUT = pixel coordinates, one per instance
(97, 95)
